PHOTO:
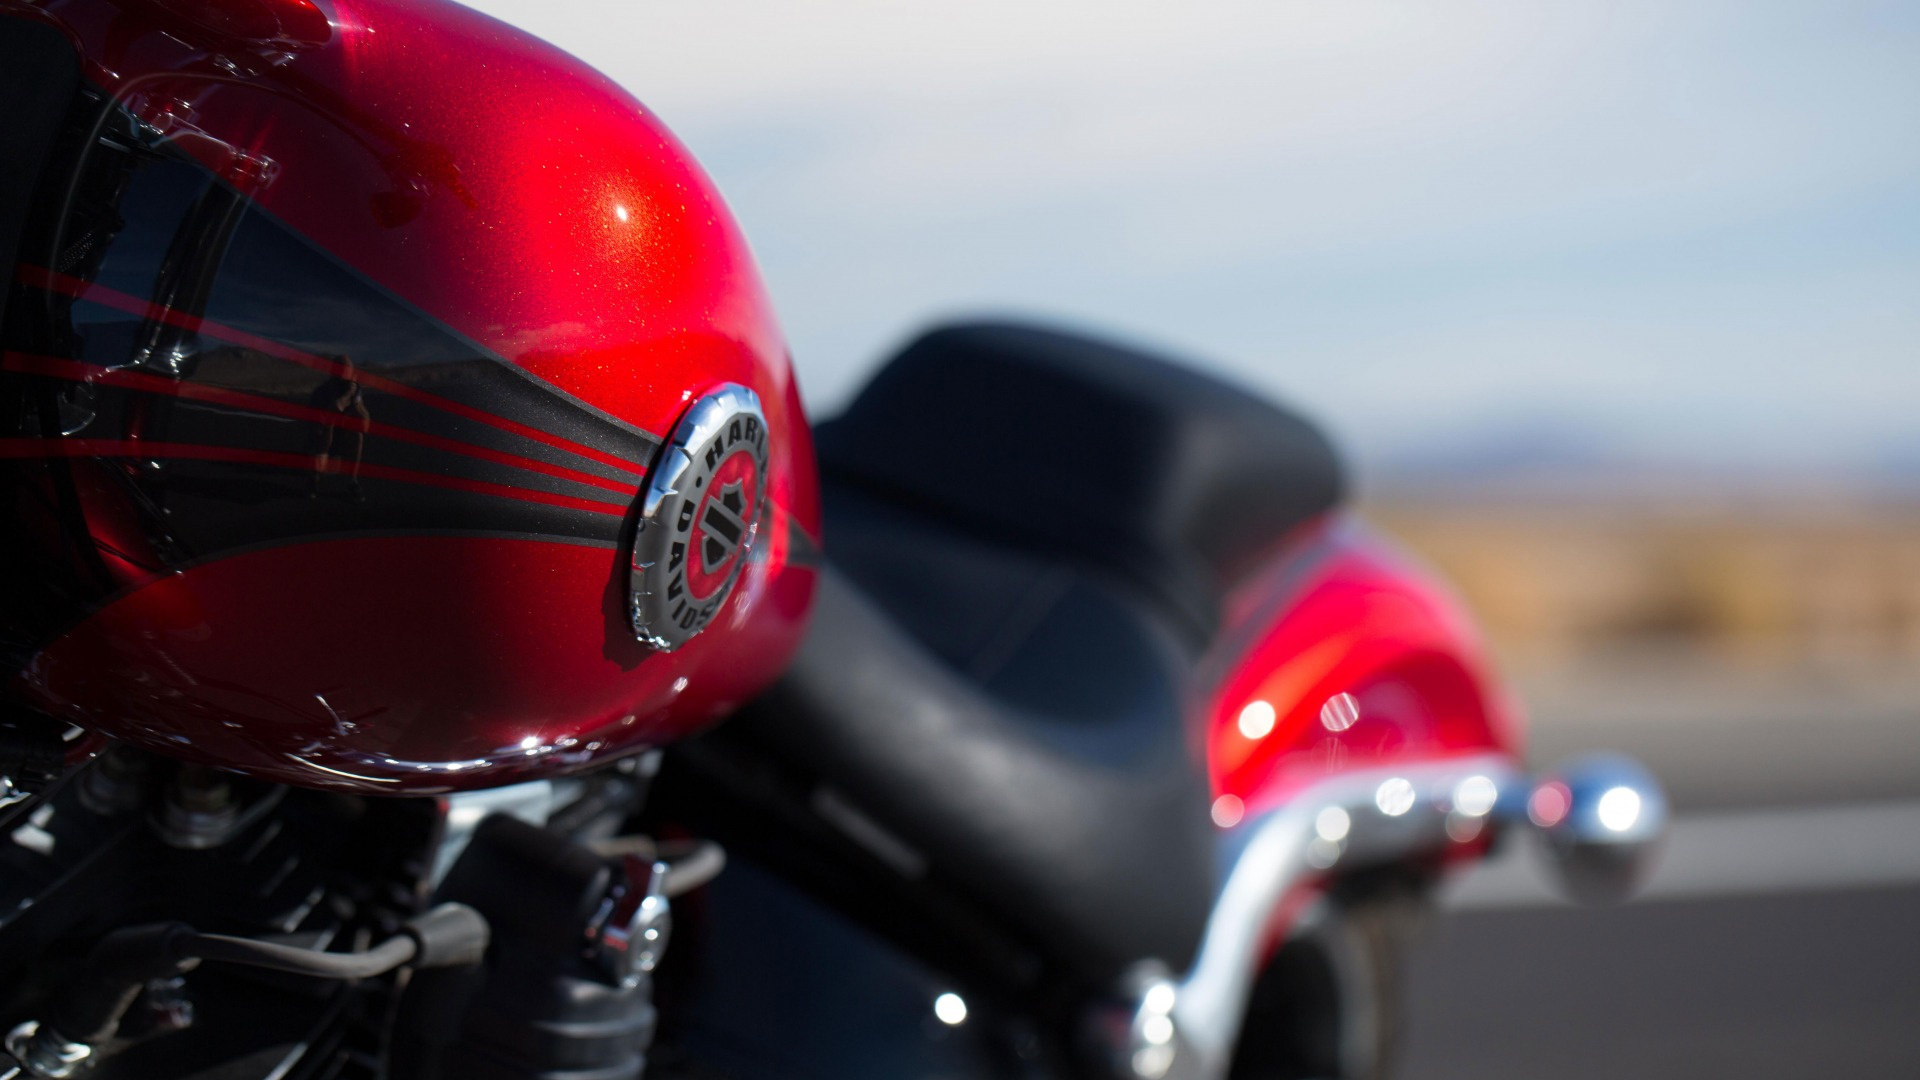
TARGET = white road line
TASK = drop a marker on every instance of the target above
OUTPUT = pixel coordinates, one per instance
(1746, 853)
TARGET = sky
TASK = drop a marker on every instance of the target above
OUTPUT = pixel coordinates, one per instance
(1598, 233)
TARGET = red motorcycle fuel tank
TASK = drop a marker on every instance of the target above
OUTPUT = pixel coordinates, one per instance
(388, 401)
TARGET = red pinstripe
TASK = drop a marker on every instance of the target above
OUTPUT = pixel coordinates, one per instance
(54, 281)
(29, 364)
(140, 448)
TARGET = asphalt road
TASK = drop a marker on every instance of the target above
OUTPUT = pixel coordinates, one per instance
(1780, 937)
(1791, 986)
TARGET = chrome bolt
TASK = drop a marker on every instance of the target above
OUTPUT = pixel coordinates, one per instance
(45, 1053)
(630, 935)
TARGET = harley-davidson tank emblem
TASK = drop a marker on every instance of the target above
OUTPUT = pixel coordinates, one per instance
(699, 514)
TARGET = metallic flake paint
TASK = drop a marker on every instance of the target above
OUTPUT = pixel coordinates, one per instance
(1339, 612)
(528, 206)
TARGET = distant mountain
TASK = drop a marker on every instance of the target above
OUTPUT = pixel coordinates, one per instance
(1553, 461)
(1517, 449)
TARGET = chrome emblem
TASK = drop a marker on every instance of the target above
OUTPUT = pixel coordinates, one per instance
(699, 514)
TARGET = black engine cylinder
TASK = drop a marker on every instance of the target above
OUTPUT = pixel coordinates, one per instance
(539, 1007)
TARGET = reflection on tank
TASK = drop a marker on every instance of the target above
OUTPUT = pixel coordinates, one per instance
(186, 279)
(183, 377)
(340, 393)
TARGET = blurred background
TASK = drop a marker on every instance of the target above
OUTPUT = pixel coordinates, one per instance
(1615, 307)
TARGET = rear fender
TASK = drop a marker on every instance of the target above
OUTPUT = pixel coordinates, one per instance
(1345, 655)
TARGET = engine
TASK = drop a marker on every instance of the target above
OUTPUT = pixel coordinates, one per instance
(168, 920)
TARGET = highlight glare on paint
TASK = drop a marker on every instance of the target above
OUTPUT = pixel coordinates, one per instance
(950, 1008)
(1475, 796)
(1549, 803)
(1340, 712)
(1157, 1029)
(1619, 808)
(1256, 720)
(1463, 829)
(1159, 998)
(1153, 1062)
(1395, 796)
(1333, 824)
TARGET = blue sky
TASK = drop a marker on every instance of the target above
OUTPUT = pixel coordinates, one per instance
(1669, 236)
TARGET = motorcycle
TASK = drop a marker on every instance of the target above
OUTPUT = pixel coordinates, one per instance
(441, 647)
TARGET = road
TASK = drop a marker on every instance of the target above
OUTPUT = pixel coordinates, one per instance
(1790, 986)
(1779, 939)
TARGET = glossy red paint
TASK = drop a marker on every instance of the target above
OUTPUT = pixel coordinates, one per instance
(523, 202)
(482, 175)
(265, 662)
(1341, 613)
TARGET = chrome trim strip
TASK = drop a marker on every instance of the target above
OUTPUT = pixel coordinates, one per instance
(1267, 856)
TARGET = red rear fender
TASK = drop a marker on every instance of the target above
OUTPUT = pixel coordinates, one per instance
(1346, 655)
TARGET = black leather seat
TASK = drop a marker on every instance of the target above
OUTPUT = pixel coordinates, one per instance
(1028, 533)
(1082, 449)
